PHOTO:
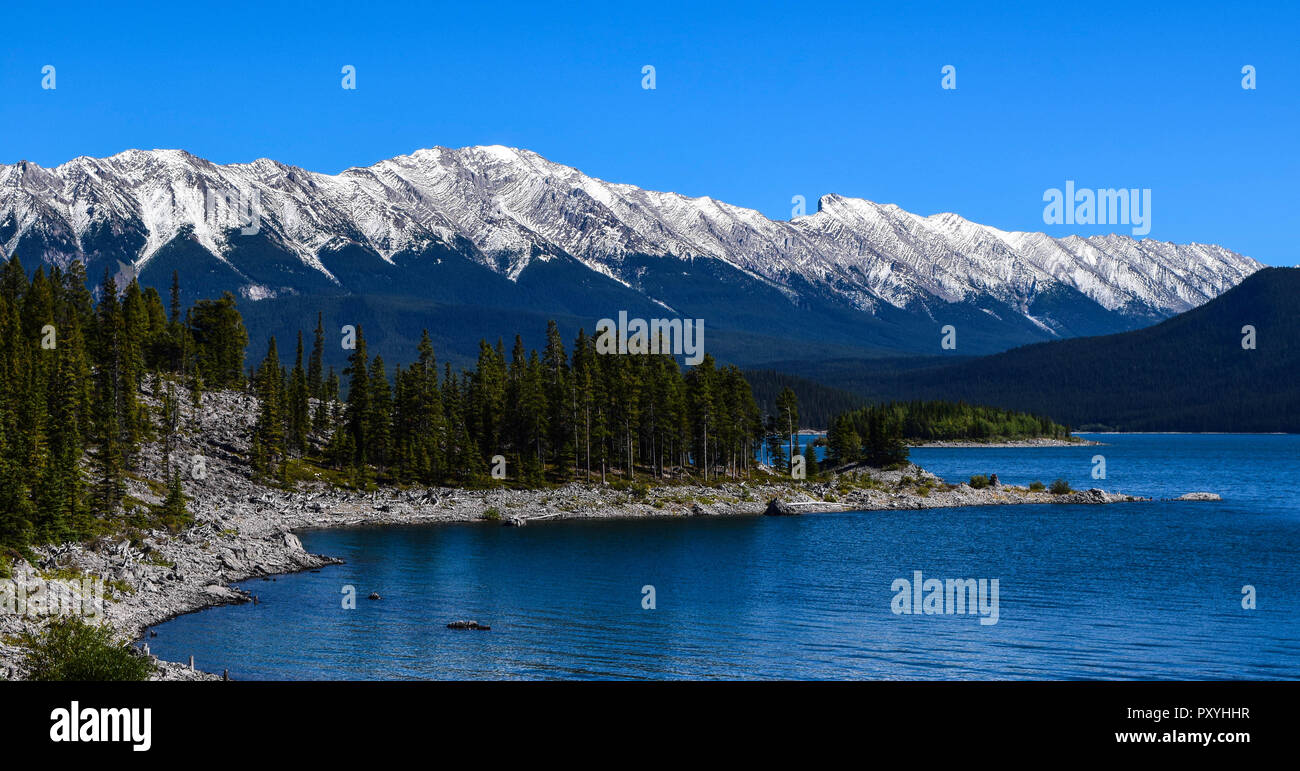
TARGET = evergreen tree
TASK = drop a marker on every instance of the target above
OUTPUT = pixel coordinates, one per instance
(114, 404)
(219, 342)
(299, 407)
(787, 420)
(315, 382)
(358, 417)
(379, 417)
(268, 445)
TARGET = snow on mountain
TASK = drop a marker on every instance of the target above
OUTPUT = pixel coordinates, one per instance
(514, 206)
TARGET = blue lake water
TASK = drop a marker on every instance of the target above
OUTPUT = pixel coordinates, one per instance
(1144, 590)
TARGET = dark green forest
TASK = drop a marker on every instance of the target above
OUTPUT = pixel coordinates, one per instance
(878, 434)
(1197, 371)
(818, 404)
(552, 416)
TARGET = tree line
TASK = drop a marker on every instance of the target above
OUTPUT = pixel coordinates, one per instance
(878, 434)
(562, 413)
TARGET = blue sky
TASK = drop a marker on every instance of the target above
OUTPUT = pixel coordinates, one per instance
(752, 105)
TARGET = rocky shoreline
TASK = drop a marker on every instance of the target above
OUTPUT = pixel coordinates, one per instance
(244, 530)
(1012, 443)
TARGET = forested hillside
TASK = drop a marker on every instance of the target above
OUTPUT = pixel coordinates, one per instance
(818, 404)
(1229, 365)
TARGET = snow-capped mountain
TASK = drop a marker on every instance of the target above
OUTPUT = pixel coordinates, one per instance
(511, 212)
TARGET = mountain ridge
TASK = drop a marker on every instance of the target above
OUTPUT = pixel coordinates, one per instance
(402, 223)
(1198, 371)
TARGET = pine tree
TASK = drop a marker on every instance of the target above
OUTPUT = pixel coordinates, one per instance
(787, 420)
(174, 510)
(299, 407)
(358, 418)
(558, 393)
(485, 413)
(584, 376)
(219, 341)
(113, 404)
(379, 416)
(700, 396)
(326, 417)
(268, 445)
(315, 383)
(843, 444)
(428, 419)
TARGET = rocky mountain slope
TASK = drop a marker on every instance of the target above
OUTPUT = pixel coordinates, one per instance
(496, 227)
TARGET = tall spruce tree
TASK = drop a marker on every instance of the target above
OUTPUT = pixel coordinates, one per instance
(268, 445)
(299, 406)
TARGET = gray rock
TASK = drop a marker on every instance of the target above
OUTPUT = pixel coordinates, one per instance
(779, 508)
(468, 625)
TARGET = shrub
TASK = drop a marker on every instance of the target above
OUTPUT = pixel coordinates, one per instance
(923, 490)
(73, 651)
(492, 514)
(1060, 487)
(1037, 486)
(979, 481)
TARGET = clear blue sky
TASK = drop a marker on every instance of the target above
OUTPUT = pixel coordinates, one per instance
(755, 103)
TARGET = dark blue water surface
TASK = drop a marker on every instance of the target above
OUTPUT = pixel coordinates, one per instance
(1143, 590)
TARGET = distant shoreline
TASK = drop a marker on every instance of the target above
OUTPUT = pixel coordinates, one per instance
(1008, 443)
(1189, 433)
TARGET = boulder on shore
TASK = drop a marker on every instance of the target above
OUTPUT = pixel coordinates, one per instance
(1199, 497)
(779, 508)
(1093, 495)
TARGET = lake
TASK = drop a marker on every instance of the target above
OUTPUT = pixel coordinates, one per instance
(1147, 590)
